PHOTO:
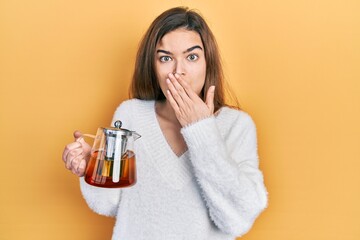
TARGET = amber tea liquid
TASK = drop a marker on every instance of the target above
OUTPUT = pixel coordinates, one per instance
(99, 172)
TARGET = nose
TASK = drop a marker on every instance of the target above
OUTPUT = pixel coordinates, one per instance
(179, 68)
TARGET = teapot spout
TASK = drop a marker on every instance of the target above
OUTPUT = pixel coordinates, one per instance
(135, 135)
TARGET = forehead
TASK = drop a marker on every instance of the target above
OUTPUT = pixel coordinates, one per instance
(180, 39)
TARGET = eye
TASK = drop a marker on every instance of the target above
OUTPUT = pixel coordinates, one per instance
(165, 59)
(192, 57)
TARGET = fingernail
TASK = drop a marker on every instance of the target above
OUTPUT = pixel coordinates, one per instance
(167, 80)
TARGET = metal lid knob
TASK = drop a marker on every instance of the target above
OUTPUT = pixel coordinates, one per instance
(117, 124)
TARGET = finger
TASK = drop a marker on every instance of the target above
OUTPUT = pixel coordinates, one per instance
(71, 156)
(75, 163)
(70, 147)
(81, 168)
(180, 89)
(172, 101)
(175, 94)
(79, 137)
(77, 134)
(210, 98)
(189, 91)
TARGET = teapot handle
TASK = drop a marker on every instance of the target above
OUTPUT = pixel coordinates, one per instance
(89, 135)
(86, 135)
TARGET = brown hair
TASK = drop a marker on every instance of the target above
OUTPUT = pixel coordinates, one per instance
(145, 85)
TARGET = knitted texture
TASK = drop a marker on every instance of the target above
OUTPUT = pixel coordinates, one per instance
(214, 191)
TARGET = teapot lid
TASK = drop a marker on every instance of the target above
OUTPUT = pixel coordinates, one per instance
(117, 128)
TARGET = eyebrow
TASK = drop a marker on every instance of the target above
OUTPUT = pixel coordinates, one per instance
(186, 51)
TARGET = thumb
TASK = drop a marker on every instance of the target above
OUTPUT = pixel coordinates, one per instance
(78, 136)
(210, 98)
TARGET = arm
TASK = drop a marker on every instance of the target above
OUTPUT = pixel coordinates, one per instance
(105, 201)
(227, 172)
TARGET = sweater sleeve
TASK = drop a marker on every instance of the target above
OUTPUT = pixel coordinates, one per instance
(105, 201)
(226, 169)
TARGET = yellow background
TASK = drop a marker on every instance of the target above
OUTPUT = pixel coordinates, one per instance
(294, 65)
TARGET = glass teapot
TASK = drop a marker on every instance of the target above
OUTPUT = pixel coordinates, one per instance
(112, 162)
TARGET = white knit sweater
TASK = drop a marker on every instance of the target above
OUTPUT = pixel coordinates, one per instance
(213, 191)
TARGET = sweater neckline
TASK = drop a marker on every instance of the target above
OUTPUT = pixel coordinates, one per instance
(165, 142)
(174, 169)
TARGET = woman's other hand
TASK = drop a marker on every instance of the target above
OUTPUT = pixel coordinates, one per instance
(76, 155)
(188, 106)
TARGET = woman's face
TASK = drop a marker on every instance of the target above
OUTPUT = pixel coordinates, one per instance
(181, 51)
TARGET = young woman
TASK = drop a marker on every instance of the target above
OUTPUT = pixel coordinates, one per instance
(197, 161)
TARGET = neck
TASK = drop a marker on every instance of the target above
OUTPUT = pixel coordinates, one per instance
(166, 111)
